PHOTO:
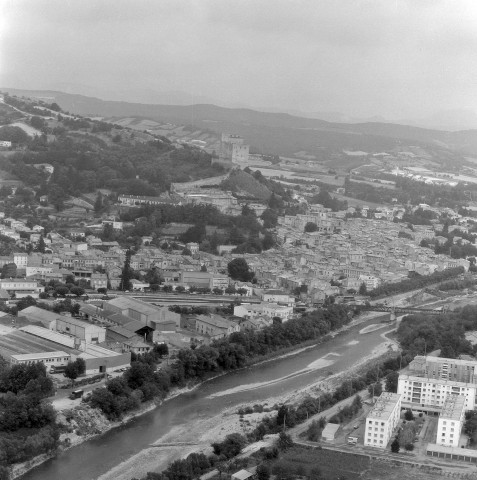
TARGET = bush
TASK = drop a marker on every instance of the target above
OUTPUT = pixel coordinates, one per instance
(231, 446)
(408, 415)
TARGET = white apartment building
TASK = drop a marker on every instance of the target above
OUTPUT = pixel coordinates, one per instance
(370, 281)
(284, 312)
(20, 260)
(451, 421)
(429, 394)
(277, 296)
(382, 420)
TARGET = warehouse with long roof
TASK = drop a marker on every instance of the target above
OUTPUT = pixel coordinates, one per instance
(32, 344)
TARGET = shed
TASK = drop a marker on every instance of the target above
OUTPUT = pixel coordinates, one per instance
(329, 432)
(244, 474)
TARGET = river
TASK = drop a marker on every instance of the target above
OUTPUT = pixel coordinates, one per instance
(99, 456)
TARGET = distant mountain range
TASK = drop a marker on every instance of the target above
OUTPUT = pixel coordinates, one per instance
(452, 120)
(271, 132)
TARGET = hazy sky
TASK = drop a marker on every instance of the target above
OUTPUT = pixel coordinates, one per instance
(396, 58)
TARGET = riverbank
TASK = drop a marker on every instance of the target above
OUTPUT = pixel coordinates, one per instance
(169, 453)
(208, 430)
(84, 423)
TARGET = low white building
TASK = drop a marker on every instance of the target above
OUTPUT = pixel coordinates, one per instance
(277, 296)
(329, 432)
(21, 287)
(284, 312)
(139, 286)
(50, 359)
(451, 421)
(382, 420)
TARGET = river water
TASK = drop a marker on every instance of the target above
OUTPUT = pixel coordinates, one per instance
(96, 457)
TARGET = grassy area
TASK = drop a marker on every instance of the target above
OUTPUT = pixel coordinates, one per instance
(332, 464)
(350, 466)
(380, 470)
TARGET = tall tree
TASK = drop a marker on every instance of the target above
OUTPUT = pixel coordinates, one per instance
(363, 290)
(41, 245)
(71, 371)
(127, 272)
(239, 270)
(395, 446)
(98, 204)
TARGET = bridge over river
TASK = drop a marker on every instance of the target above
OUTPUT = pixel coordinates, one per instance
(402, 310)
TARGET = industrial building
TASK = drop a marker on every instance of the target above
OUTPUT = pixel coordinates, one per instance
(50, 359)
(37, 344)
(156, 318)
(86, 332)
(382, 420)
(41, 316)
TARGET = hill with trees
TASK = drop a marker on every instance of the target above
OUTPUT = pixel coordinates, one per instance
(274, 133)
(88, 154)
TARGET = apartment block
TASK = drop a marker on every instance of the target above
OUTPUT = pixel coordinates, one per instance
(451, 421)
(382, 420)
(445, 368)
(429, 395)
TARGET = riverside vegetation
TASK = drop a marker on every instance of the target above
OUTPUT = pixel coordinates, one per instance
(415, 332)
(28, 425)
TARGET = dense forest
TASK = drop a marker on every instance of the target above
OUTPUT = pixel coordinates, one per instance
(82, 166)
(421, 334)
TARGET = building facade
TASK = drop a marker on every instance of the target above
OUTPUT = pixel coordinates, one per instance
(451, 421)
(382, 420)
(86, 332)
(429, 395)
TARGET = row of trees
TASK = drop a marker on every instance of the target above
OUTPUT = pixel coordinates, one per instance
(143, 381)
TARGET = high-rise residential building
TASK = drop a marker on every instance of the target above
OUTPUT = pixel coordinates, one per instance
(428, 381)
(451, 421)
(445, 368)
(382, 420)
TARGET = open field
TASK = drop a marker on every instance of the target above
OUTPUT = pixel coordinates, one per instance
(331, 463)
(350, 466)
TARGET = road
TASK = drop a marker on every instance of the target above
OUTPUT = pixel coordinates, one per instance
(61, 401)
(295, 432)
